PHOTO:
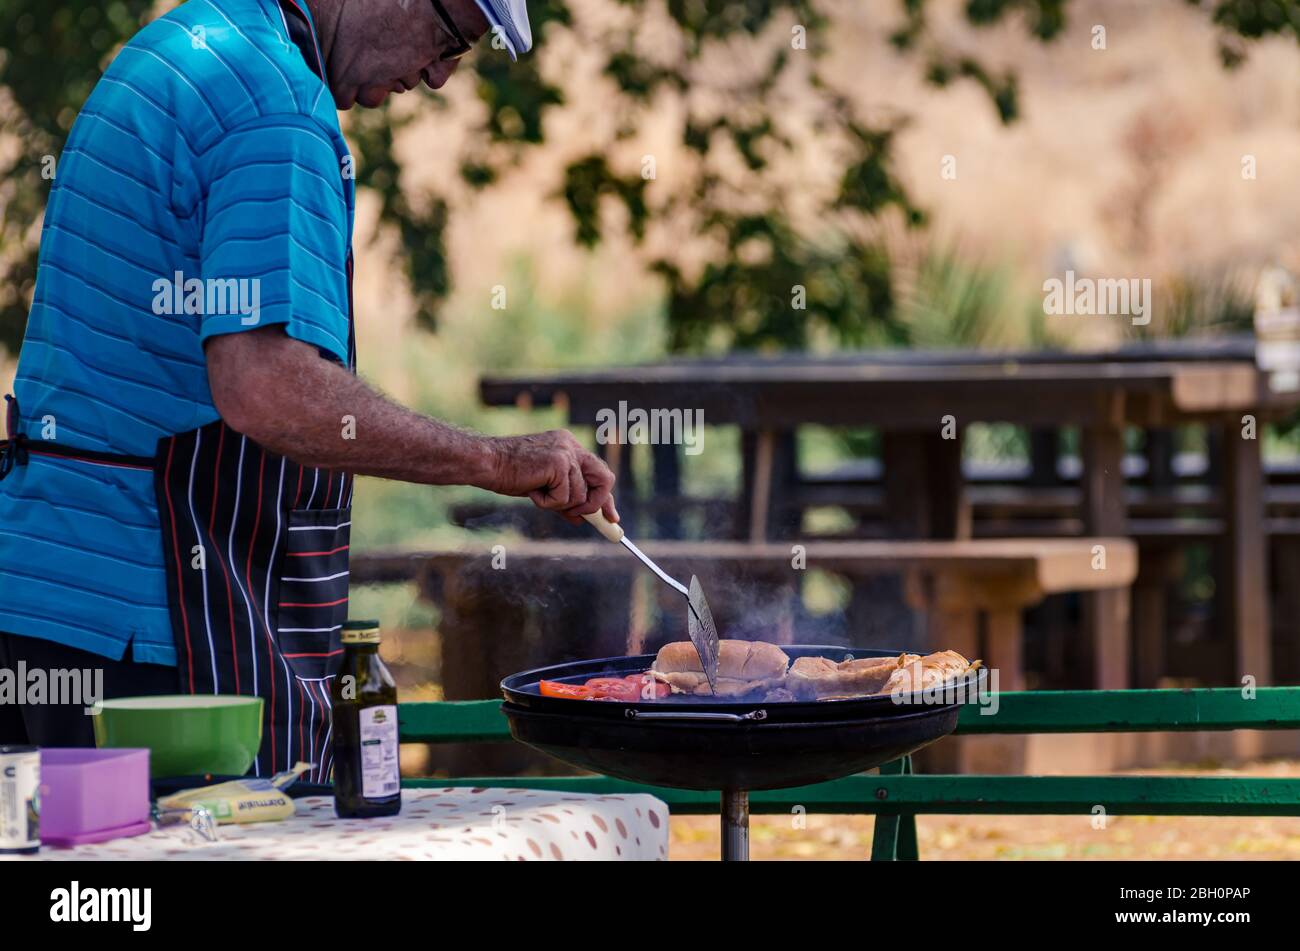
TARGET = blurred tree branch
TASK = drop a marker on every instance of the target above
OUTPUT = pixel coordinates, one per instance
(51, 55)
(748, 260)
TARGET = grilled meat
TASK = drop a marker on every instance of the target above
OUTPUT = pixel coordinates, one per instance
(744, 668)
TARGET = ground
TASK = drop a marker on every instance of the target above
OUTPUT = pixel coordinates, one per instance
(1017, 837)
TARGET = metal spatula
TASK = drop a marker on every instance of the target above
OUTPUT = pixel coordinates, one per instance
(699, 620)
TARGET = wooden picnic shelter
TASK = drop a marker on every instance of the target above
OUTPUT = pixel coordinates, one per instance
(921, 403)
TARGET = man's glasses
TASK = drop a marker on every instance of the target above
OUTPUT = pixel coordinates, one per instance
(462, 45)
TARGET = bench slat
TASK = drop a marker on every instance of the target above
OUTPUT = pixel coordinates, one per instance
(1137, 711)
(452, 721)
(961, 795)
(1045, 711)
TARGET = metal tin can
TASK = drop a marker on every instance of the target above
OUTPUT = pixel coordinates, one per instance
(20, 799)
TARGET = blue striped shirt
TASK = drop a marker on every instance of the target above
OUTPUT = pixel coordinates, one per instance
(205, 189)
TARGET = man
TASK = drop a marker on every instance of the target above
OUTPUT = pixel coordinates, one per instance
(176, 494)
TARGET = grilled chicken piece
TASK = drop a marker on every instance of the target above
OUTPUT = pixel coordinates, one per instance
(820, 678)
(932, 670)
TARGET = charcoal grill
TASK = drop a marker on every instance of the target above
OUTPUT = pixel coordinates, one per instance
(728, 745)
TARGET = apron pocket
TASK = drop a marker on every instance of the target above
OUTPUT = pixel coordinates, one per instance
(314, 591)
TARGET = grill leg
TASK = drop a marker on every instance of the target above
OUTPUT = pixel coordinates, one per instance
(735, 825)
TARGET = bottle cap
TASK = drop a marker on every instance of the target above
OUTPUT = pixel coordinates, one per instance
(361, 632)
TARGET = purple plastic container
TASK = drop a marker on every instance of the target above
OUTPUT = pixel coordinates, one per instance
(91, 795)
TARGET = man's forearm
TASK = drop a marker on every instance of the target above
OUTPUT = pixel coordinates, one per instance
(291, 401)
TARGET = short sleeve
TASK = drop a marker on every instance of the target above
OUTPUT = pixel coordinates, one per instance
(274, 234)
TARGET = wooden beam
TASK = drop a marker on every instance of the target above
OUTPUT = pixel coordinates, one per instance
(1045, 565)
(911, 396)
(760, 498)
(1245, 586)
(1106, 613)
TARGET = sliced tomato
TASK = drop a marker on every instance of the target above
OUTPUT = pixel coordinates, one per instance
(554, 688)
(615, 688)
(627, 689)
(648, 688)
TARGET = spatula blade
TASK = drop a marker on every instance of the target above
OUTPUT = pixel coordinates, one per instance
(704, 633)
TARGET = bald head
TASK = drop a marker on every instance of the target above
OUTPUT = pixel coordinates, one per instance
(379, 47)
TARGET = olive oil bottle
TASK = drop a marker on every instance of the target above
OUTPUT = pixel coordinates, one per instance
(364, 697)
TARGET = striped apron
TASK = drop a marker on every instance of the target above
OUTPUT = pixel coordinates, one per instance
(256, 552)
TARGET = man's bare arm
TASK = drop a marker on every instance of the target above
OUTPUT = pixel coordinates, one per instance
(283, 395)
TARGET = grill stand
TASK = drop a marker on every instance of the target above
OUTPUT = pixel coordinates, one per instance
(735, 825)
(785, 745)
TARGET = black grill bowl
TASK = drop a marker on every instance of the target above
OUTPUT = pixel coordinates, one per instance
(792, 744)
(697, 755)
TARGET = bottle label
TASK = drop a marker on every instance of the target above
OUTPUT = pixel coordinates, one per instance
(379, 773)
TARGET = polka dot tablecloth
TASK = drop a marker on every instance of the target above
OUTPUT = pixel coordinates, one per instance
(435, 824)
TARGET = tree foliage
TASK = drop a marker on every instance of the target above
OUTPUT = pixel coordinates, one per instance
(752, 255)
(51, 55)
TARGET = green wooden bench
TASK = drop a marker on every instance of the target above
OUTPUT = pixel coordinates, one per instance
(897, 795)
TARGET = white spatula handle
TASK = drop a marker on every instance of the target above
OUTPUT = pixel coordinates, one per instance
(609, 529)
(615, 534)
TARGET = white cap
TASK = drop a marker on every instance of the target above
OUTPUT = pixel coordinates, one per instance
(509, 18)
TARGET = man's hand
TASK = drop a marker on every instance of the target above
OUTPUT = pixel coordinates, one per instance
(556, 472)
(283, 395)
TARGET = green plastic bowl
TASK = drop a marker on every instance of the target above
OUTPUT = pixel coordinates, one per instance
(186, 735)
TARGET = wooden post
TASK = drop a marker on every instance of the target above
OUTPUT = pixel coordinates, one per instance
(1158, 568)
(924, 493)
(950, 511)
(667, 491)
(1043, 457)
(760, 499)
(1103, 479)
(952, 626)
(768, 474)
(1155, 566)
(784, 519)
(618, 456)
(1004, 635)
(1285, 563)
(1105, 613)
(1246, 582)
(924, 498)
(1159, 452)
(958, 608)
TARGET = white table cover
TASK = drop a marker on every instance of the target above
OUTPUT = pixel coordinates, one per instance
(437, 824)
